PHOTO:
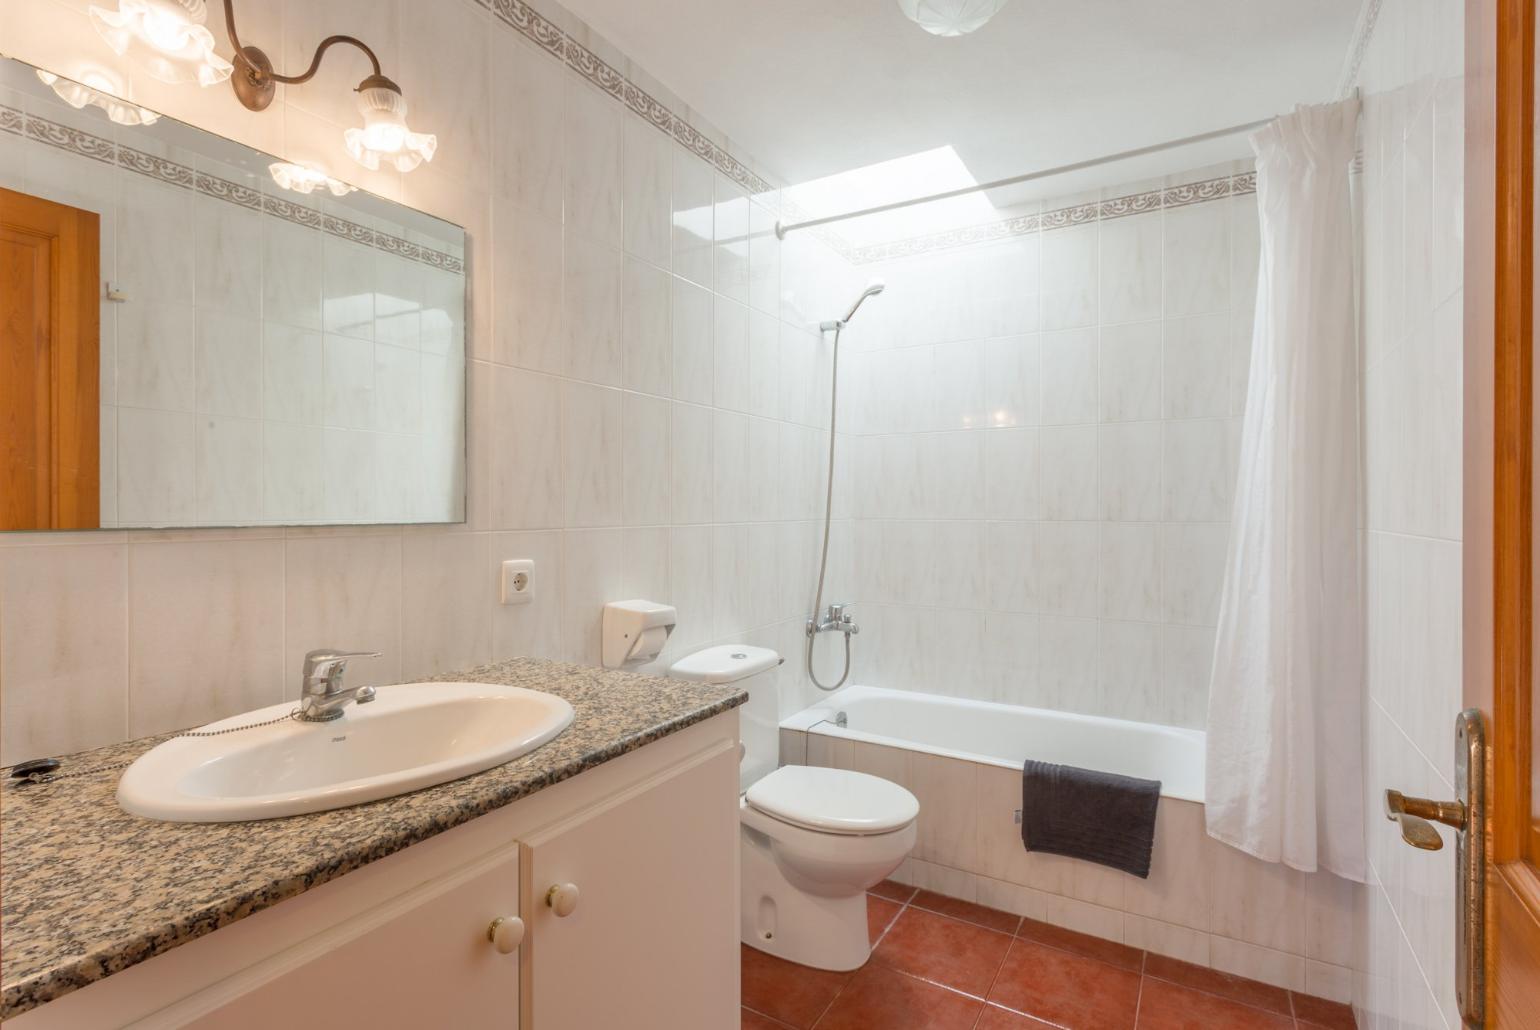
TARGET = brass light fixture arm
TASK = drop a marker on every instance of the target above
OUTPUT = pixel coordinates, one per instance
(255, 79)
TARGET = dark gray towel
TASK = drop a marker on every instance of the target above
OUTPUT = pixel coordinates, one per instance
(1097, 816)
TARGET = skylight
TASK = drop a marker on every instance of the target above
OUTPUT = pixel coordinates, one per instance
(903, 178)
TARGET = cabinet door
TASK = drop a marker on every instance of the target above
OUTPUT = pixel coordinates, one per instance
(424, 960)
(652, 941)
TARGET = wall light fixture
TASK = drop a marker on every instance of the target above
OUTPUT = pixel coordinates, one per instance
(166, 37)
(385, 135)
(306, 179)
(98, 89)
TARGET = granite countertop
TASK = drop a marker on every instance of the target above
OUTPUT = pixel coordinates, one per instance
(87, 890)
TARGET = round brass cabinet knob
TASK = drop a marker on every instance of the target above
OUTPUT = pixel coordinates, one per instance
(562, 898)
(506, 934)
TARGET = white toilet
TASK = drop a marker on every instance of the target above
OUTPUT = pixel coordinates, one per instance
(812, 840)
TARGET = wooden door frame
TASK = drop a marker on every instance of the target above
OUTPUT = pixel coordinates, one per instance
(1498, 574)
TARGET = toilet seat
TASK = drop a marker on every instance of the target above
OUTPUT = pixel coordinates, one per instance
(834, 801)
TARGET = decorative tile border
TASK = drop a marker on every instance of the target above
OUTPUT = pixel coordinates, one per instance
(1180, 195)
(549, 37)
(98, 148)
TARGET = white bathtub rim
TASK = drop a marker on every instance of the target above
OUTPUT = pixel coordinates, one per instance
(819, 719)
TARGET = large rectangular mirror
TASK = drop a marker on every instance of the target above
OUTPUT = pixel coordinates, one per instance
(193, 333)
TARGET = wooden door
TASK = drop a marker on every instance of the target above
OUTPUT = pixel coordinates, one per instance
(49, 389)
(651, 942)
(1499, 506)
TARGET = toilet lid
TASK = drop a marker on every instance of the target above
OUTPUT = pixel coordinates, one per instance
(833, 800)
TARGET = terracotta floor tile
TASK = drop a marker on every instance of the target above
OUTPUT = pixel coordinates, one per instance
(796, 995)
(1236, 988)
(879, 916)
(996, 1018)
(967, 911)
(947, 951)
(1165, 1006)
(754, 1021)
(1318, 1012)
(879, 998)
(893, 890)
(1084, 944)
(1067, 989)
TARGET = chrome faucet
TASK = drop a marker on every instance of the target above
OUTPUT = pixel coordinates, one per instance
(835, 618)
(322, 695)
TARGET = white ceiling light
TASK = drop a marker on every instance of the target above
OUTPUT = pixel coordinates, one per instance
(385, 136)
(305, 179)
(166, 36)
(99, 89)
(950, 17)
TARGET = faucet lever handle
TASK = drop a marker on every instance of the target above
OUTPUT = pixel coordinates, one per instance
(323, 661)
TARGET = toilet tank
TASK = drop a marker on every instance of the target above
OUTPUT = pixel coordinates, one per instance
(759, 724)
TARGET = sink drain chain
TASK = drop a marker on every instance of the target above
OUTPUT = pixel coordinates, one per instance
(42, 770)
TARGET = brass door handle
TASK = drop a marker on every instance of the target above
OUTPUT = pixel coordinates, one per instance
(1413, 815)
(1467, 815)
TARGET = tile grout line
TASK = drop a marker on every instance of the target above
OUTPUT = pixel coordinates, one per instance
(1144, 962)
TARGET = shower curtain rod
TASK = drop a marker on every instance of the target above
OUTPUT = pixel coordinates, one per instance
(782, 228)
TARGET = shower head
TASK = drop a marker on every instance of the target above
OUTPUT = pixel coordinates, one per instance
(873, 288)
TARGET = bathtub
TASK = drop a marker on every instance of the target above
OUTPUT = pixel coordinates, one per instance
(1007, 735)
(1204, 902)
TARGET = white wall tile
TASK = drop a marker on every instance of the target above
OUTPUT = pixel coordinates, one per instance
(1069, 277)
(63, 649)
(1068, 473)
(227, 359)
(526, 465)
(646, 482)
(1130, 371)
(343, 592)
(591, 311)
(591, 437)
(693, 218)
(647, 350)
(201, 606)
(445, 619)
(647, 202)
(1129, 462)
(1197, 259)
(592, 171)
(1130, 268)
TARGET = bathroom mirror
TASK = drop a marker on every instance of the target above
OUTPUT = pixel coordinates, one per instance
(193, 333)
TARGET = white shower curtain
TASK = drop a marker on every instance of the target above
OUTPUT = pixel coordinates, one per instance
(1285, 740)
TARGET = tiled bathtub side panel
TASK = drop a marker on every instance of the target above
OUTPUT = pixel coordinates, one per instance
(1204, 901)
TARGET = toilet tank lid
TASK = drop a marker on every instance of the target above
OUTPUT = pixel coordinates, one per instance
(726, 663)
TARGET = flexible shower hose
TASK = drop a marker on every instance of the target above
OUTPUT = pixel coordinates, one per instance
(828, 515)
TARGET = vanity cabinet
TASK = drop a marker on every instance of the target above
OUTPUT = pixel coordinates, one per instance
(351, 975)
(643, 942)
(641, 930)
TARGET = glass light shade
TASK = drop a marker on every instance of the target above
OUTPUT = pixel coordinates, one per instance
(304, 179)
(385, 135)
(97, 88)
(950, 17)
(167, 37)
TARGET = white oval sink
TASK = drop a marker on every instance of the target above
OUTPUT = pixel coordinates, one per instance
(413, 735)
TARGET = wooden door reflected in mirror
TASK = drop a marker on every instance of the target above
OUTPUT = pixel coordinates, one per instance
(49, 359)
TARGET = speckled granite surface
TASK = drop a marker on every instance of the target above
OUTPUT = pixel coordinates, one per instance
(87, 890)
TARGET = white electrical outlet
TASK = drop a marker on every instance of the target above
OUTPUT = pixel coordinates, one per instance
(518, 585)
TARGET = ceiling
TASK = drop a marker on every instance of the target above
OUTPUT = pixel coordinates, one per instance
(811, 88)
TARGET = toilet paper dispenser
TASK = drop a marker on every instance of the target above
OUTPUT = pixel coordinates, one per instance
(635, 631)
